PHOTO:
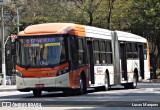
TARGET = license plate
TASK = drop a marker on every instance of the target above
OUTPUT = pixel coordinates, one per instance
(39, 85)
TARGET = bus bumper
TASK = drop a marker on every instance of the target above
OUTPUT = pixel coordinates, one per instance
(45, 84)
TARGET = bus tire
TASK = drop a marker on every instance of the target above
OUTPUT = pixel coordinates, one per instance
(37, 93)
(132, 85)
(83, 87)
(69, 92)
(106, 86)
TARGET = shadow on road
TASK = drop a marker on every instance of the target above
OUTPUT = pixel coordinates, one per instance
(51, 94)
(90, 91)
(61, 94)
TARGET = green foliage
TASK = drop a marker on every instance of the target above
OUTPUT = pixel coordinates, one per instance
(0, 58)
(88, 12)
(146, 23)
(137, 16)
(122, 15)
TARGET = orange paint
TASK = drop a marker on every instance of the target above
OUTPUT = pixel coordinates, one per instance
(74, 77)
(54, 28)
(100, 74)
(40, 72)
(148, 56)
(129, 72)
(27, 45)
(48, 29)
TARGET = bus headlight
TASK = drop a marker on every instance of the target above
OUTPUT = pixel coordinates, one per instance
(59, 73)
(18, 73)
(63, 71)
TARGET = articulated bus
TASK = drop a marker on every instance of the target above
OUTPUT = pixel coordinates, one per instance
(72, 57)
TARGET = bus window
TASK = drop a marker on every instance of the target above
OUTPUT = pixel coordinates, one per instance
(80, 51)
(103, 52)
(43, 54)
(129, 51)
(96, 52)
(135, 50)
(74, 52)
(109, 52)
(41, 51)
(145, 51)
(63, 53)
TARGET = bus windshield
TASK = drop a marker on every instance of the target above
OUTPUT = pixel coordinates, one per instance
(40, 51)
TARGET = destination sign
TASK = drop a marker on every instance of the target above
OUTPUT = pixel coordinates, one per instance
(39, 40)
(45, 44)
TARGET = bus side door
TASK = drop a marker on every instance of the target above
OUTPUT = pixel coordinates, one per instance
(123, 58)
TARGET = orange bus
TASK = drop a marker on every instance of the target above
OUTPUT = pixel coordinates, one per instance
(71, 57)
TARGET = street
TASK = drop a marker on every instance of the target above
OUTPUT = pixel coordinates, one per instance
(117, 96)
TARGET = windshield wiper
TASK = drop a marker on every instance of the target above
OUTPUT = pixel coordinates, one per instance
(51, 66)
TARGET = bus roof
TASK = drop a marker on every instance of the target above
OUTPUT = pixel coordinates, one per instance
(78, 30)
(53, 28)
(125, 36)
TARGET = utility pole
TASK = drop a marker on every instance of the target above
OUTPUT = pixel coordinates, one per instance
(17, 20)
(3, 45)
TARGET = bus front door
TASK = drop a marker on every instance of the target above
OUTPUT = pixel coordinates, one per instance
(141, 61)
(123, 58)
(90, 61)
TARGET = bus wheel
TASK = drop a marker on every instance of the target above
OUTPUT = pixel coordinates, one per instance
(132, 85)
(106, 86)
(37, 93)
(69, 92)
(83, 88)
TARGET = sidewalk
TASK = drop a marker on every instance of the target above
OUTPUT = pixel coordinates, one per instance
(8, 88)
(150, 81)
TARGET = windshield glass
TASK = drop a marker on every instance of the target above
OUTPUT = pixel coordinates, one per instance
(40, 51)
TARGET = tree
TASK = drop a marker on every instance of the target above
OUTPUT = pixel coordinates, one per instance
(10, 24)
(110, 5)
(10, 11)
(139, 17)
(121, 15)
(146, 22)
(87, 8)
(0, 58)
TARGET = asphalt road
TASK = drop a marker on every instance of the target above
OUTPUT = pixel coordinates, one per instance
(146, 96)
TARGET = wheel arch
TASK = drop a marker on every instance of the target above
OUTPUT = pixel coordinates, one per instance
(107, 75)
(84, 76)
(136, 73)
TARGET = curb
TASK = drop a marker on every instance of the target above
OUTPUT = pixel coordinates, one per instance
(155, 80)
(4, 90)
(150, 81)
(8, 88)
